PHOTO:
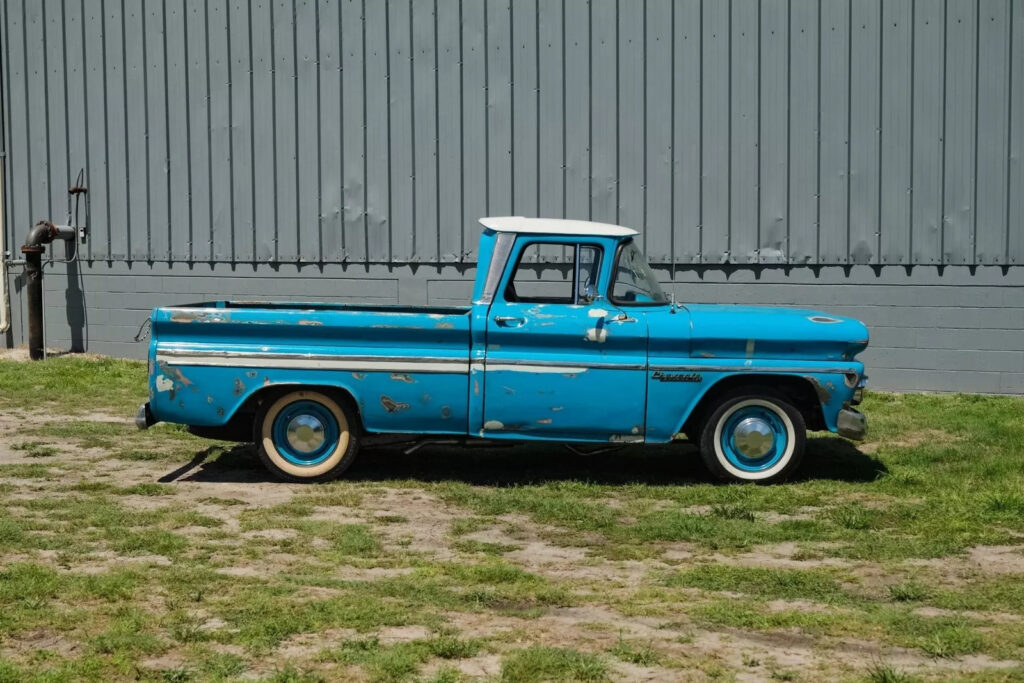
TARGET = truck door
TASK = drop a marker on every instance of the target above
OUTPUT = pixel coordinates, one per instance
(561, 362)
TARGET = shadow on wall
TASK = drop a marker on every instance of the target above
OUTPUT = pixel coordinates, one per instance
(676, 464)
(74, 303)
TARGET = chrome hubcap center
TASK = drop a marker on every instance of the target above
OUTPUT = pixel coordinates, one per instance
(305, 433)
(753, 437)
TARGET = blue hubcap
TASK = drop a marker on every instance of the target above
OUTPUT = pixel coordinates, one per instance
(754, 438)
(305, 433)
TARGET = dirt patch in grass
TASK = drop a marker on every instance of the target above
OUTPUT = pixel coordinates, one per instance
(484, 666)
(305, 646)
(338, 514)
(997, 559)
(913, 439)
(780, 556)
(424, 522)
(39, 639)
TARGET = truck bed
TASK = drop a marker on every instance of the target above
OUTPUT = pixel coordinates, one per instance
(408, 365)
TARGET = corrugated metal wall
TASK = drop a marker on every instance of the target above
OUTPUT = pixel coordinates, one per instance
(779, 131)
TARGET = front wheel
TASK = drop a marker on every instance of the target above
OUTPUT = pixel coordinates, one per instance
(753, 435)
(306, 436)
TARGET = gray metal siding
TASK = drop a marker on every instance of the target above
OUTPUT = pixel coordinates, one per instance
(377, 131)
(858, 156)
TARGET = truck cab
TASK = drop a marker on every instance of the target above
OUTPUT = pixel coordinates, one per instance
(569, 338)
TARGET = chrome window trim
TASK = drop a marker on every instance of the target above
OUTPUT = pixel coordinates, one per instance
(499, 258)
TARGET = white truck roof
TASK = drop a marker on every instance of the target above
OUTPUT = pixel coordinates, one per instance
(554, 226)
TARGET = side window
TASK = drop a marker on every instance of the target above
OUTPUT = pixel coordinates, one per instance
(537, 280)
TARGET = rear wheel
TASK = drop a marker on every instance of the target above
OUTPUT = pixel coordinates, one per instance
(306, 436)
(753, 434)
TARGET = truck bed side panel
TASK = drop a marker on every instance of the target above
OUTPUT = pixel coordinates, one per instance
(407, 371)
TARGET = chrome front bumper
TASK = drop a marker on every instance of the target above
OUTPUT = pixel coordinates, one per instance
(852, 423)
(144, 417)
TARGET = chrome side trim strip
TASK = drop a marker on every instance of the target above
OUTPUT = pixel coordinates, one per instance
(503, 364)
(313, 362)
(198, 353)
(748, 368)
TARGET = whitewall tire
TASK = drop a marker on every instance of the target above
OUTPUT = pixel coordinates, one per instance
(306, 435)
(753, 435)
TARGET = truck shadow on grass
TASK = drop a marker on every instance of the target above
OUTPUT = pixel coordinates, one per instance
(674, 464)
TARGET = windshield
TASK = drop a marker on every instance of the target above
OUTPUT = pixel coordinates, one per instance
(633, 281)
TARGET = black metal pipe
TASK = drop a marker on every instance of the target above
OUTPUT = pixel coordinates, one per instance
(41, 233)
(34, 298)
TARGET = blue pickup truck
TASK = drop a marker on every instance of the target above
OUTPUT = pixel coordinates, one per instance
(569, 338)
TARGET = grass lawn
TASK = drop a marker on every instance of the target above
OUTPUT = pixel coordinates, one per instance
(160, 556)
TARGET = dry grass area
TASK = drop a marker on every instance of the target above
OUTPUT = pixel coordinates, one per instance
(159, 556)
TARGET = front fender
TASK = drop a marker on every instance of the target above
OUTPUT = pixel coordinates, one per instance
(672, 403)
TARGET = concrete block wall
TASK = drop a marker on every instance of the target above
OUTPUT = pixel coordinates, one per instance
(932, 328)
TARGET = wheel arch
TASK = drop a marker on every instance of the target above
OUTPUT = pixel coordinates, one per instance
(800, 391)
(262, 396)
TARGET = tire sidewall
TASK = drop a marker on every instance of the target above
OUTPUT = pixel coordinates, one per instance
(711, 438)
(333, 465)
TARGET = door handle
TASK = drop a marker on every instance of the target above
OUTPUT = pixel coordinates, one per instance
(509, 320)
(622, 318)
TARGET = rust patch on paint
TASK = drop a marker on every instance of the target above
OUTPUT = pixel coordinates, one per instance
(174, 373)
(393, 406)
(359, 375)
(402, 377)
(220, 411)
(239, 387)
(314, 323)
(177, 378)
(251, 374)
(476, 388)
(824, 392)
(198, 317)
(544, 421)
(446, 412)
(444, 325)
